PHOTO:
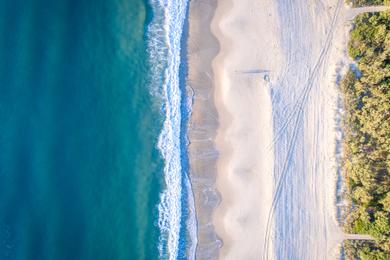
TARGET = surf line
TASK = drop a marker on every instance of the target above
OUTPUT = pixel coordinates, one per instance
(176, 220)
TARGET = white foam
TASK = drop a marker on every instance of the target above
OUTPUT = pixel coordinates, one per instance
(164, 35)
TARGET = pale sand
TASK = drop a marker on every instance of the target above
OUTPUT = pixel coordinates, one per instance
(271, 138)
(275, 168)
(248, 32)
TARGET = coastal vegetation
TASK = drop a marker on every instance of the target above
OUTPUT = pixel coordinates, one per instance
(360, 3)
(367, 135)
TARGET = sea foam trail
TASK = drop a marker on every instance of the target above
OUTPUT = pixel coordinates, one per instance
(164, 35)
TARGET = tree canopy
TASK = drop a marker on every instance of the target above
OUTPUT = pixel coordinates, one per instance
(367, 133)
(358, 3)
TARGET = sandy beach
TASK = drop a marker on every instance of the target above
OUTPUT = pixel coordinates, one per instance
(266, 126)
(243, 99)
(274, 175)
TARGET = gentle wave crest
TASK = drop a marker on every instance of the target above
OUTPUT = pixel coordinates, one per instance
(164, 36)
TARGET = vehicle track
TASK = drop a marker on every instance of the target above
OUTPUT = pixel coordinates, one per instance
(297, 108)
(309, 83)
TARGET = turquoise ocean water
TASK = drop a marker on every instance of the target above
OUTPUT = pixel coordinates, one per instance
(92, 130)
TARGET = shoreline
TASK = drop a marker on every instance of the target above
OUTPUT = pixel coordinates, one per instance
(202, 47)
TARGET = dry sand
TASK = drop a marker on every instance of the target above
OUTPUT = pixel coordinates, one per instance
(243, 100)
(264, 129)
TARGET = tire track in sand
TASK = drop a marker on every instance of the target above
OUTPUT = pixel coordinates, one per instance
(299, 108)
(309, 83)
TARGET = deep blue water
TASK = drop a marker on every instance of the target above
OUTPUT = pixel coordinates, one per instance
(80, 171)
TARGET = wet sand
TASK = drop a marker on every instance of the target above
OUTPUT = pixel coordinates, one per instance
(202, 48)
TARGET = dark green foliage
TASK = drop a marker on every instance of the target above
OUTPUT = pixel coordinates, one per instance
(364, 250)
(360, 3)
(367, 129)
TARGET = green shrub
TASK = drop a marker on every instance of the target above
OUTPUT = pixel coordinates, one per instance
(360, 3)
(367, 133)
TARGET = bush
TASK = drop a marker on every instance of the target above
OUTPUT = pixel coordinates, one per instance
(360, 3)
(367, 133)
